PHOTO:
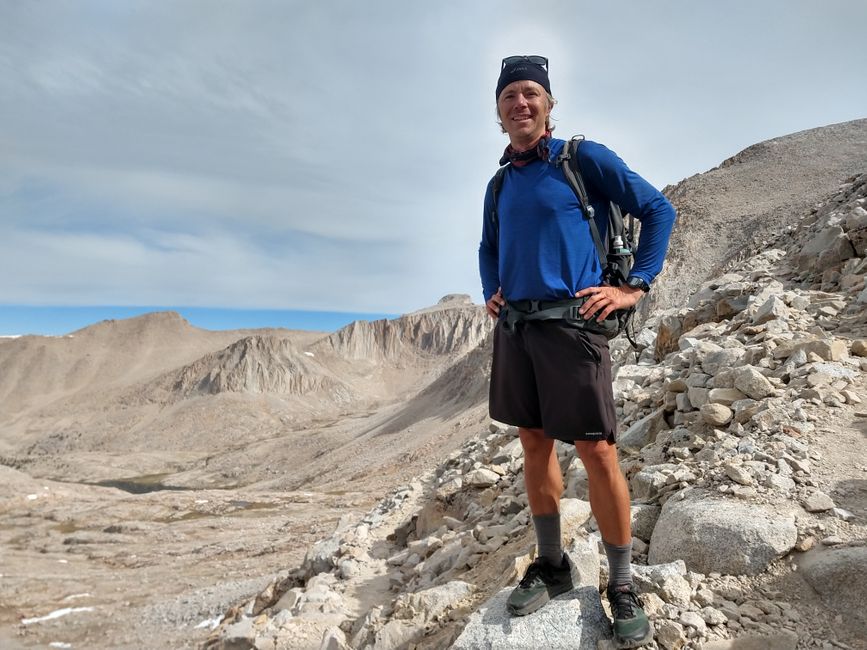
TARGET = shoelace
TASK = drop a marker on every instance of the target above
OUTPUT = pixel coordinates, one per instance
(622, 603)
(535, 570)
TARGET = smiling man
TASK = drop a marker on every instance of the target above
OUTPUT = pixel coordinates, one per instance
(551, 376)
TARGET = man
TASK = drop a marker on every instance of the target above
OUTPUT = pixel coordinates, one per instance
(552, 378)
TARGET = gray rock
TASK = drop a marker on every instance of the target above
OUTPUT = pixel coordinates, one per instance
(720, 535)
(827, 349)
(843, 514)
(772, 309)
(652, 578)
(728, 358)
(644, 518)
(817, 501)
(818, 244)
(322, 556)
(634, 373)
(643, 431)
(575, 620)
(780, 482)
(834, 575)
(697, 396)
(753, 383)
(647, 483)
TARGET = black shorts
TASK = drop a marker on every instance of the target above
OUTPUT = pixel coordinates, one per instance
(549, 375)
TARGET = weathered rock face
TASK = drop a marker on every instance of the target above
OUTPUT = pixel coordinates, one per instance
(444, 331)
(717, 535)
(837, 575)
(259, 364)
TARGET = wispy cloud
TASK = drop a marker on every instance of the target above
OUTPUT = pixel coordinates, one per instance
(334, 155)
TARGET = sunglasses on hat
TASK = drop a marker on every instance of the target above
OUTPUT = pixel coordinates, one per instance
(536, 60)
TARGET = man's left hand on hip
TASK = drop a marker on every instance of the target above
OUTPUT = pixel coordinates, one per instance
(607, 299)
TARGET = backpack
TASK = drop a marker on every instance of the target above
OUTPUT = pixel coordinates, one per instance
(615, 253)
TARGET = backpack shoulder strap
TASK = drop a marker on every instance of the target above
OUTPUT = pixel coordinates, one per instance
(569, 160)
(496, 184)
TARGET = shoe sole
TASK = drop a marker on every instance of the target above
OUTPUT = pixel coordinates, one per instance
(535, 605)
(624, 644)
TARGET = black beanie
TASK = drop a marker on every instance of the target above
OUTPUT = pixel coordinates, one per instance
(523, 70)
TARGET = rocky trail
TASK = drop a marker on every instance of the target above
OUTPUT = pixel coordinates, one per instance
(745, 445)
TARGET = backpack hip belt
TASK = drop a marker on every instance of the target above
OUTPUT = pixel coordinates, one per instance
(518, 311)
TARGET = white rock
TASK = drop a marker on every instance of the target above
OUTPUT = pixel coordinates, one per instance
(772, 309)
(575, 620)
(817, 501)
(430, 604)
(712, 534)
(481, 478)
(693, 620)
(738, 474)
(716, 415)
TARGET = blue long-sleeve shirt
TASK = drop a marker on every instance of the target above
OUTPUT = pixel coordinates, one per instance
(543, 248)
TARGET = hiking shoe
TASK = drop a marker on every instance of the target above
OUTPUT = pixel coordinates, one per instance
(631, 627)
(542, 582)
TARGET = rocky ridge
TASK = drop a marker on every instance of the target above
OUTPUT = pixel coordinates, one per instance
(742, 443)
(748, 199)
(455, 328)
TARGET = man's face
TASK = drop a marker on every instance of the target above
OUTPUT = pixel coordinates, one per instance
(523, 108)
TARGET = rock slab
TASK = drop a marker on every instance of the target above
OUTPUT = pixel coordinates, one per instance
(712, 534)
(575, 621)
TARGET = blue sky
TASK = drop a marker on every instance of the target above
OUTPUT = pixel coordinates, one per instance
(332, 156)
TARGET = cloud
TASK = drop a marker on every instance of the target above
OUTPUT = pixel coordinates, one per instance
(334, 155)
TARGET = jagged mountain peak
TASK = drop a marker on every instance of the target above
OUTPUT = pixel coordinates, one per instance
(454, 328)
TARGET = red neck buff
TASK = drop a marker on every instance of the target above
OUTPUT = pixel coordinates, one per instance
(521, 158)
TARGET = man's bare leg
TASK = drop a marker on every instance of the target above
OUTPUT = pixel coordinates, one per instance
(550, 574)
(609, 493)
(542, 474)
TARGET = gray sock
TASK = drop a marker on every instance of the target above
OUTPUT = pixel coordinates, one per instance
(619, 559)
(548, 538)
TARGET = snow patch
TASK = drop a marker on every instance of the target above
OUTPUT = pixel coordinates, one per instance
(74, 596)
(209, 623)
(57, 613)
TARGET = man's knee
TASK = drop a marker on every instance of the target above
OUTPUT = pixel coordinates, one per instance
(534, 441)
(597, 453)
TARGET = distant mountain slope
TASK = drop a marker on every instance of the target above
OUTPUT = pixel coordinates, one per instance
(257, 364)
(455, 330)
(725, 213)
